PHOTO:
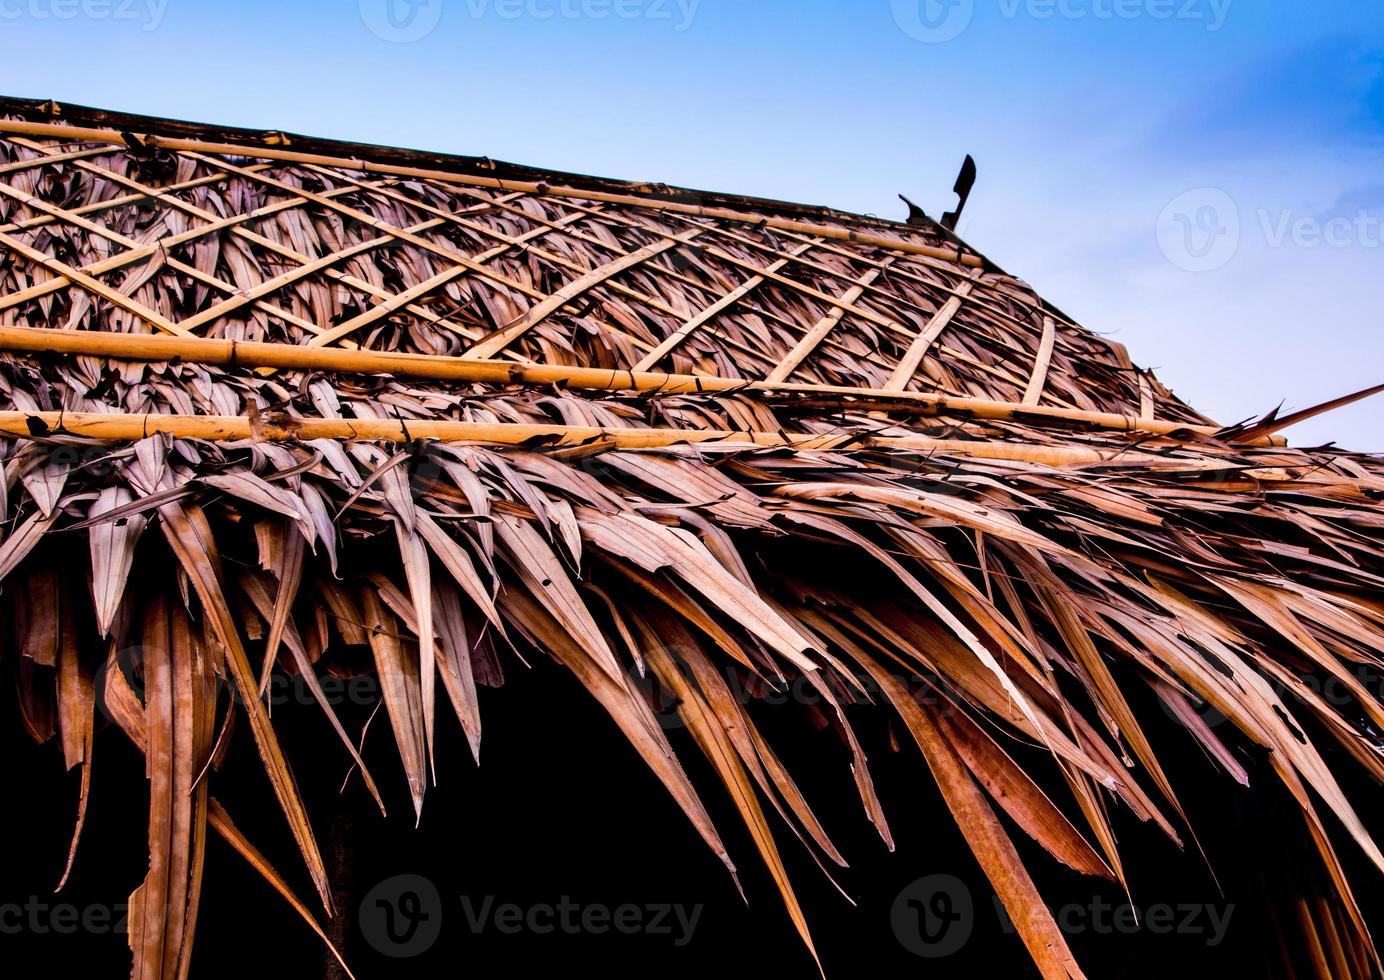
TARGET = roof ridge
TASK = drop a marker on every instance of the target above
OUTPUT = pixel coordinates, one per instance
(118, 121)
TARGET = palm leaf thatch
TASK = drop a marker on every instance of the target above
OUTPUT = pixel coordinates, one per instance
(311, 396)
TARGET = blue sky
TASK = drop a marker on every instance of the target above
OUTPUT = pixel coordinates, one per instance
(1201, 179)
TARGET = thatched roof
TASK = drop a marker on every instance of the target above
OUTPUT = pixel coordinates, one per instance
(313, 396)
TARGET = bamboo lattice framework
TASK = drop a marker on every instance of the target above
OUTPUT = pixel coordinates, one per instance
(543, 274)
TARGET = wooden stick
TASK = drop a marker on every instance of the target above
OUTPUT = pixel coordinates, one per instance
(824, 326)
(908, 364)
(1146, 404)
(135, 252)
(93, 286)
(235, 225)
(269, 286)
(202, 350)
(1034, 393)
(563, 224)
(370, 220)
(278, 428)
(502, 338)
(33, 163)
(689, 327)
(767, 272)
(1268, 428)
(58, 131)
(110, 203)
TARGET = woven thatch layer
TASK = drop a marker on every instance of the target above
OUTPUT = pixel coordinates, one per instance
(972, 596)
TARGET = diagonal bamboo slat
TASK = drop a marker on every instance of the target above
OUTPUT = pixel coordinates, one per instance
(819, 331)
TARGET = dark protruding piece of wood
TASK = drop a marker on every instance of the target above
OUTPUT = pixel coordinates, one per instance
(916, 215)
(964, 182)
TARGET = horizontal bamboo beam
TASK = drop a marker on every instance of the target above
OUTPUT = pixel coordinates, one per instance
(58, 131)
(202, 350)
(120, 427)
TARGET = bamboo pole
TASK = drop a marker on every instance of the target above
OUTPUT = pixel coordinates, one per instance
(502, 338)
(1033, 394)
(814, 337)
(908, 364)
(235, 224)
(202, 350)
(93, 286)
(59, 131)
(122, 427)
(689, 327)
